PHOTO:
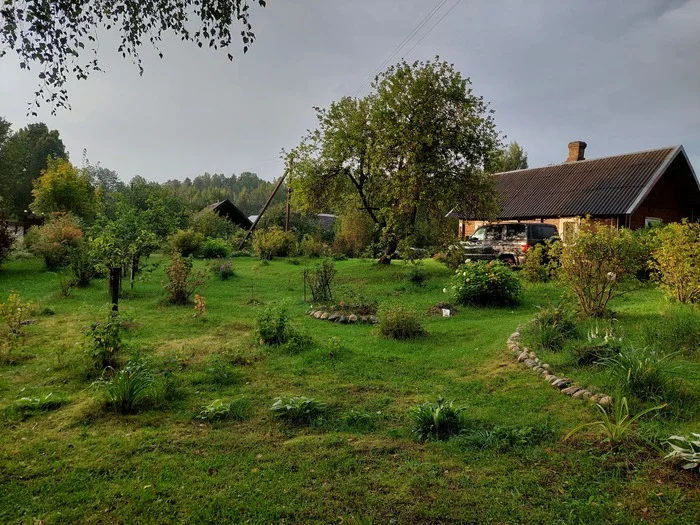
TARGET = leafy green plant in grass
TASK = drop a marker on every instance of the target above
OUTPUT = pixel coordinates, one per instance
(220, 373)
(219, 410)
(14, 312)
(299, 410)
(274, 329)
(616, 424)
(416, 273)
(676, 329)
(105, 341)
(686, 449)
(319, 280)
(400, 323)
(436, 421)
(360, 421)
(223, 270)
(129, 387)
(551, 327)
(503, 438)
(647, 373)
(484, 283)
(27, 407)
(601, 344)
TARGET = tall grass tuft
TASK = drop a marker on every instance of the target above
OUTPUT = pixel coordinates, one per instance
(129, 387)
(551, 328)
(647, 373)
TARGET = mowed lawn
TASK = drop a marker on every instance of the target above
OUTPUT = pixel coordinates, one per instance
(83, 463)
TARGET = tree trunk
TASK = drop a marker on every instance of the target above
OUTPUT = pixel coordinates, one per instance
(388, 252)
(134, 269)
(114, 285)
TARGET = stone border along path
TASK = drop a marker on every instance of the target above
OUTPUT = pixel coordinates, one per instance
(564, 384)
(334, 317)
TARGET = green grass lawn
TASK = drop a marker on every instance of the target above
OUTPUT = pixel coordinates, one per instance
(83, 463)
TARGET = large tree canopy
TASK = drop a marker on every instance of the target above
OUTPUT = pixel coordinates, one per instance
(23, 156)
(52, 34)
(418, 146)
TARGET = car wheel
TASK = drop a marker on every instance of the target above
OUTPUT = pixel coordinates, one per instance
(508, 261)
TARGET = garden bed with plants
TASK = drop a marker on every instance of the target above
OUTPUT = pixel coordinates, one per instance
(232, 405)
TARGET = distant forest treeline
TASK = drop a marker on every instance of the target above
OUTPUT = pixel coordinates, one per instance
(23, 158)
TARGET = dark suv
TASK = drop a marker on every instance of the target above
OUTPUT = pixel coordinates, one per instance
(508, 242)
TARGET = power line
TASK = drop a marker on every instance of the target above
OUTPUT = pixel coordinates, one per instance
(403, 44)
(433, 27)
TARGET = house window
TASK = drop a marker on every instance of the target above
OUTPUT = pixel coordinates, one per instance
(652, 221)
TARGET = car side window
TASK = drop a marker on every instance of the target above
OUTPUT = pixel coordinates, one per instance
(488, 233)
(515, 232)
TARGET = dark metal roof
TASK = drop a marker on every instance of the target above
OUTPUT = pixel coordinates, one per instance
(596, 187)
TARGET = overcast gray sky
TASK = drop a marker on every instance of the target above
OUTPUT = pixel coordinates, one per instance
(623, 75)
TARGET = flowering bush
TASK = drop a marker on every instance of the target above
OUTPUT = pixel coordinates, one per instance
(56, 240)
(484, 283)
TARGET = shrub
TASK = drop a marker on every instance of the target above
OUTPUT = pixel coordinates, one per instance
(216, 249)
(273, 329)
(222, 269)
(81, 265)
(209, 224)
(297, 410)
(14, 312)
(646, 373)
(129, 387)
(599, 345)
(453, 257)
(218, 410)
(550, 328)
(594, 266)
(685, 449)
(105, 341)
(484, 283)
(416, 273)
(7, 239)
(645, 242)
(675, 330)
(436, 421)
(273, 242)
(200, 305)
(675, 261)
(311, 246)
(320, 280)
(400, 323)
(542, 262)
(56, 240)
(186, 242)
(182, 281)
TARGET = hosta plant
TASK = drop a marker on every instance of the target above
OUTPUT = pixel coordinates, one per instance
(686, 449)
(219, 410)
(436, 421)
(297, 410)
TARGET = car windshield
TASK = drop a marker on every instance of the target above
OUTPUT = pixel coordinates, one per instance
(487, 233)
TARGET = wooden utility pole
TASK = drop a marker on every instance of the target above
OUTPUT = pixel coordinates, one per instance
(255, 223)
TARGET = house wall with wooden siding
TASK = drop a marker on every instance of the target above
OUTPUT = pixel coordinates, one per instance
(674, 197)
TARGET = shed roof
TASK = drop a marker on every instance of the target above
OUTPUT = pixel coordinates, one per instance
(229, 211)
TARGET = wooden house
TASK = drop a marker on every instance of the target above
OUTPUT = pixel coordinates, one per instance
(631, 190)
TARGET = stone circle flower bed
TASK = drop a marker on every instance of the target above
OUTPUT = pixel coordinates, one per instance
(563, 384)
(342, 317)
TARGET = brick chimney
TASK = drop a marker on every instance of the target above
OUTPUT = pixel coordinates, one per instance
(576, 150)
